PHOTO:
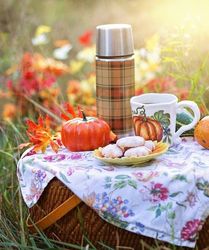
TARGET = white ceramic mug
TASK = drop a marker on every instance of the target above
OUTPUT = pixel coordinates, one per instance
(154, 116)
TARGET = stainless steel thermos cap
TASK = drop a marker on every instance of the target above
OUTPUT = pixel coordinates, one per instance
(114, 40)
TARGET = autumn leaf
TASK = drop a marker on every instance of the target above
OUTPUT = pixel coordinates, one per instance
(69, 109)
(40, 135)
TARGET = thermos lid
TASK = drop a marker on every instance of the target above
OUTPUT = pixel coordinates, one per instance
(114, 40)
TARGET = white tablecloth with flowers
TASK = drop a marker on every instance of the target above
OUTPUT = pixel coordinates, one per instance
(167, 198)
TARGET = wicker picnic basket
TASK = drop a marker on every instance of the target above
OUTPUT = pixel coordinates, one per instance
(64, 217)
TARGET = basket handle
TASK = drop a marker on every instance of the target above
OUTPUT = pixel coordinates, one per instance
(54, 215)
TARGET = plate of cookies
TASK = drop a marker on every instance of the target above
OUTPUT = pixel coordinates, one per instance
(131, 150)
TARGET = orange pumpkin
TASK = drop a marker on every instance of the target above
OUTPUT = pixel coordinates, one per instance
(148, 128)
(201, 132)
(87, 133)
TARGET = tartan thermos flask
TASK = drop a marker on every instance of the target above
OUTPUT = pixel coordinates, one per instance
(115, 76)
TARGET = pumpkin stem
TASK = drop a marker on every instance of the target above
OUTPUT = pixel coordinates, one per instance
(84, 116)
(142, 112)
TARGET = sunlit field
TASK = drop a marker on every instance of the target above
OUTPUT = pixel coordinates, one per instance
(47, 64)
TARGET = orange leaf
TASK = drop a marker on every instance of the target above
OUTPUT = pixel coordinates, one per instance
(54, 146)
(40, 134)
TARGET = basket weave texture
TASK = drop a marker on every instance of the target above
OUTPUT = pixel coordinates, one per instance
(83, 220)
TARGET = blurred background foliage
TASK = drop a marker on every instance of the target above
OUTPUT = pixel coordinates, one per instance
(47, 51)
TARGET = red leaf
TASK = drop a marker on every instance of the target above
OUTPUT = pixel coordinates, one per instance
(70, 110)
(65, 117)
(40, 121)
(31, 125)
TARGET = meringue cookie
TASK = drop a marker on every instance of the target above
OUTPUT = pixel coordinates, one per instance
(136, 152)
(130, 142)
(112, 151)
(150, 145)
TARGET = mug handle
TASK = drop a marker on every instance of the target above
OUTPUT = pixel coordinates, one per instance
(193, 106)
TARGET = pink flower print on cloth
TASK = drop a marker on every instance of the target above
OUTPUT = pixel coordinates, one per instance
(156, 193)
(36, 184)
(54, 158)
(145, 176)
(190, 230)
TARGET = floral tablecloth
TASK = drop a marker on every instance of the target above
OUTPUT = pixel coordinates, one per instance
(167, 199)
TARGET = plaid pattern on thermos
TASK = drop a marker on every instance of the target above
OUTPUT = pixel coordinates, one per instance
(114, 88)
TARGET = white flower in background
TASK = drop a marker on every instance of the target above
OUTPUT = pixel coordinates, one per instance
(142, 52)
(154, 56)
(62, 53)
(87, 54)
(147, 61)
(40, 40)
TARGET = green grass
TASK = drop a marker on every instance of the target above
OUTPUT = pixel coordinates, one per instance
(13, 230)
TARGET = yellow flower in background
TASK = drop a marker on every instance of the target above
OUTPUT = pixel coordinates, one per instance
(40, 37)
(92, 80)
(76, 66)
(87, 54)
(147, 61)
(88, 94)
(50, 94)
(42, 29)
(9, 112)
(81, 92)
(74, 91)
(50, 65)
(152, 43)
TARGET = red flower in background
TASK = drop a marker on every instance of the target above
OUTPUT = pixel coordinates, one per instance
(163, 85)
(36, 73)
(86, 38)
(74, 87)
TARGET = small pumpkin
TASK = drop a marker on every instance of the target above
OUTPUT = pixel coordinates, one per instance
(148, 128)
(201, 132)
(86, 133)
